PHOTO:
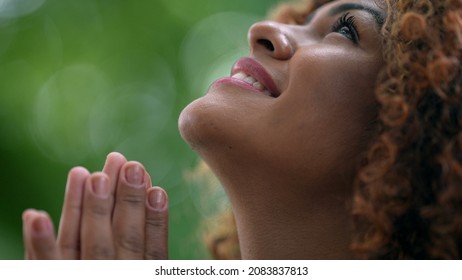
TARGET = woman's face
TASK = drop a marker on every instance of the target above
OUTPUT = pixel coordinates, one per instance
(300, 106)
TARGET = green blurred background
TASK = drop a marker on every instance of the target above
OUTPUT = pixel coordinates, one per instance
(82, 78)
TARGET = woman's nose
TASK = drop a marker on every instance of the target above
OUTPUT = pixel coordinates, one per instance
(273, 39)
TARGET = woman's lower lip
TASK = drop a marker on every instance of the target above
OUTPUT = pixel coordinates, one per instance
(237, 82)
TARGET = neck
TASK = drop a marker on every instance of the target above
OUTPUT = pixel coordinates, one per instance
(320, 235)
(290, 225)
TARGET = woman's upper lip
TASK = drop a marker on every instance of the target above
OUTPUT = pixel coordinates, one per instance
(252, 68)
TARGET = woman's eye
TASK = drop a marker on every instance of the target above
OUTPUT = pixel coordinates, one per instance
(345, 31)
(347, 27)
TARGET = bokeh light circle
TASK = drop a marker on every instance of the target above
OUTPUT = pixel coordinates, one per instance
(62, 111)
(17, 8)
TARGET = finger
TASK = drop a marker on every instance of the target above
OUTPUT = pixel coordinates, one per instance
(129, 211)
(69, 226)
(114, 163)
(39, 231)
(28, 254)
(156, 224)
(96, 232)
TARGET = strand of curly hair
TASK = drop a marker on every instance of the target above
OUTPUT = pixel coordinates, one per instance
(408, 201)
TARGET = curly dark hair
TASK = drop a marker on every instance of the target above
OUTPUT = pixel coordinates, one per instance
(408, 190)
(408, 201)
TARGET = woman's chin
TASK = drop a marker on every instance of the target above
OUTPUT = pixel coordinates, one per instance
(199, 124)
(188, 122)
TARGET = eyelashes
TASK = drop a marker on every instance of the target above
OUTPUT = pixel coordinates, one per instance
(346, 26)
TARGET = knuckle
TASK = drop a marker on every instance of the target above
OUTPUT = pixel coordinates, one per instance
(132, 199)
(157, 222)
(69, 245)
(97, 210)
(75, 209)
(156, 255)
(131, 242)
(98, 251)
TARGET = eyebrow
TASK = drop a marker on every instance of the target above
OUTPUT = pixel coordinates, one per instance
(378, 16)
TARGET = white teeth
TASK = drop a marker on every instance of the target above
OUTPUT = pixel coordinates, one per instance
(239, 76)
(258, 85)
(251, 80)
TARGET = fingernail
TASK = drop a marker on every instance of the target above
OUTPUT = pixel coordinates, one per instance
(100, 186)
(41, 225)
(134, 174)
(157, 199)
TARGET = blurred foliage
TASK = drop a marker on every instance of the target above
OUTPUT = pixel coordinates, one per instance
(82, 78)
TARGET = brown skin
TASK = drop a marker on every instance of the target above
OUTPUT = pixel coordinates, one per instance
(287, 163)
